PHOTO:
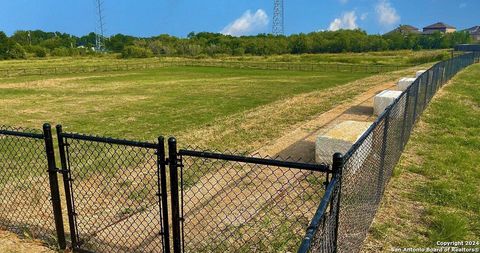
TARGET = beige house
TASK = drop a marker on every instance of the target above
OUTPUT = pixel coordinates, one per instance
(439, 27)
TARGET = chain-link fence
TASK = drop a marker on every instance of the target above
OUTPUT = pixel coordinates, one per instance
(293, 66)
(235, 203)
(25, 184)
(369, 164)
(114, 193)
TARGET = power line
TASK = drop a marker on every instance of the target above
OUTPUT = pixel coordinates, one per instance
(278, 18)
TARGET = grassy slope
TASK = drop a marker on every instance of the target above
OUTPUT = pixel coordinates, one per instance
(435, 192)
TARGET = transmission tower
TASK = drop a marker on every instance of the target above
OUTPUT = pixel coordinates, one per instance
(278, 17)
(100, 28)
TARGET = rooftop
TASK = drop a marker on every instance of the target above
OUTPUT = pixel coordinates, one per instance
(405, 29)
(439, 25)
(475, 29)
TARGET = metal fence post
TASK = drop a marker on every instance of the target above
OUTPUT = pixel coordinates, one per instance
(55, 193)
(383, 155)
(416, 102)
(162, 191)
(405, 113)
(337, 167)
(172, 160)
(66, 184)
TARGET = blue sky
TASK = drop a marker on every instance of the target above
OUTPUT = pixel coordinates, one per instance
(237, 17)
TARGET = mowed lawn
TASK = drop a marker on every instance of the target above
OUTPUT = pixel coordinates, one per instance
(435, 192)
(143, 104)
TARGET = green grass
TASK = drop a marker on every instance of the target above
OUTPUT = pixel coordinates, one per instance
(440, 172)
(144, 104)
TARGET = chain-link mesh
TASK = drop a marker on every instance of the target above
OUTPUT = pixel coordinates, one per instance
(321, 235)
(115, 195)
(233, 206)
(25, 205)
(370, 162)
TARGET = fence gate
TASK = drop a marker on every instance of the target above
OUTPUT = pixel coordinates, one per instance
(230, 203)
(115, 192)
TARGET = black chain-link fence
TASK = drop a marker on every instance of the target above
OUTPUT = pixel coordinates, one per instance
(115, 194)
(25, 197)
(369, 164)
(246, 204)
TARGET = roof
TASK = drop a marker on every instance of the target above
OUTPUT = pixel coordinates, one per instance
(408, 27)
(439, 25)
(473, 30)
(405, 29)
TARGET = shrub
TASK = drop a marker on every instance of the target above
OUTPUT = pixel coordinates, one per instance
(61, 51)
(16, 52)
(37, 51)
(136, 52)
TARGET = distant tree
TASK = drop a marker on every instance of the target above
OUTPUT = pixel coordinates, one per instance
(38, 51)
(118, 42)
(40, 43)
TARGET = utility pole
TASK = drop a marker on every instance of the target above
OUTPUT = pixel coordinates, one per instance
(278, 17)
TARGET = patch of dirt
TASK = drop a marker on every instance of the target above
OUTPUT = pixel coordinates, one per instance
(10, 243)
(300, 143)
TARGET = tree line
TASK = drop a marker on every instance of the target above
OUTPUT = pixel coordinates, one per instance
(23, 44)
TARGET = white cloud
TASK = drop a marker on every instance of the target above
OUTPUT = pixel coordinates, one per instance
(248, 23)
(347, 21)
(387, 15)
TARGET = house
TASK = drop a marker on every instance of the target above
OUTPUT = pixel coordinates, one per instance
(405, 30)
(439, 27)
(474, 32)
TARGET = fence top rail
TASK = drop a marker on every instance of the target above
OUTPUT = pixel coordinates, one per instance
(21, 134)
(319, 216)
(109, 140)
(256, 160)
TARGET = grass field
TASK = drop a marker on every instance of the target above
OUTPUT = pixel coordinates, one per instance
(144, 104)
(434, 194)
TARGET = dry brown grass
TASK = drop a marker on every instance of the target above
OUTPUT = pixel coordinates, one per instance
(10, 243)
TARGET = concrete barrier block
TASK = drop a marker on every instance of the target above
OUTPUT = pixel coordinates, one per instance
(419, 73)
(404, 83)
(340, 139)
(384, 99)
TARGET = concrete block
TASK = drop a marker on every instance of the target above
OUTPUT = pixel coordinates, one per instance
(384, 99)
(404, 83)
(340, 139)
(419, 73)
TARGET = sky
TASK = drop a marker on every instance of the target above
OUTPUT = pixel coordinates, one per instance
(235, 17)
